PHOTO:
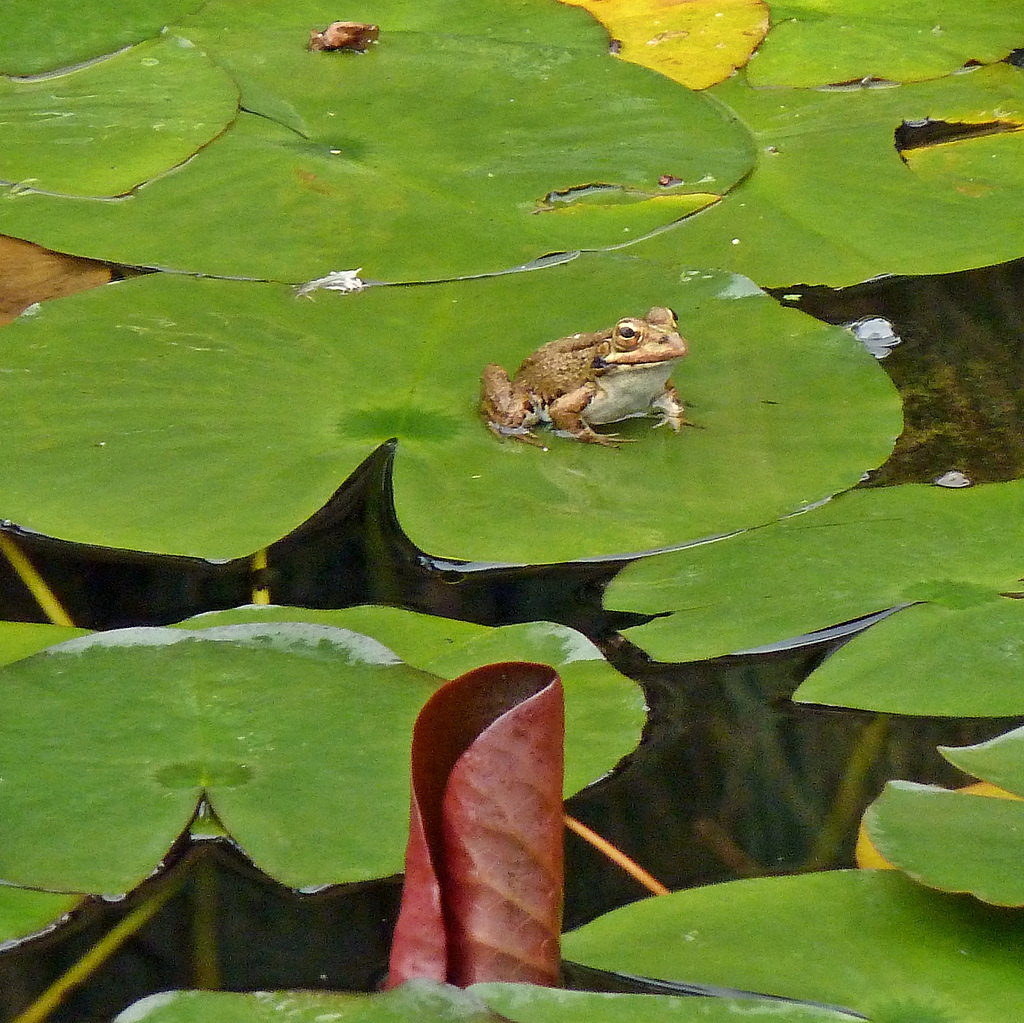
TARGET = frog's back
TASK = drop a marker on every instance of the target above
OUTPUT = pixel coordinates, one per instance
(559, 366)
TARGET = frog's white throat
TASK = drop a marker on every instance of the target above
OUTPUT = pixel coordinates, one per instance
(625, 391)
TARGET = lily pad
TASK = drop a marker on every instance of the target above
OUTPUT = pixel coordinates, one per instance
(999, 761)
(954, 841)
(299, 735)
(815, 42)
(102, 130)
(954, 662)
(430, 156)
(20, 639)
(697, 43)
(604, 710)
(870, 940)
(296, 729)
(960, 841)
(24, 912)
(251, 405)
(955, 552)
(830, 200)
(427, 1002)
(40, 37)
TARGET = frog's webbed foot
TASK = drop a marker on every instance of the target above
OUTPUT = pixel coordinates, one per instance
(523, 434)
(671, 408)
(588, 436)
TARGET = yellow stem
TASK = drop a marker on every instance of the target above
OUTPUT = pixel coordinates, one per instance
(45, 597)
(849, 800)
(41, 1008)
(616, 855)
(260, 594)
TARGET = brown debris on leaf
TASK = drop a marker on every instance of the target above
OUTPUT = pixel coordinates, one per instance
(344, 35)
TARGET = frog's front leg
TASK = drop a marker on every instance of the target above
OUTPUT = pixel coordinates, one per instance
(566, 414)
(672, 411)
(507, 413)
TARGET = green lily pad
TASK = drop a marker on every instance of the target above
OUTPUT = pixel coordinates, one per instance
(20, 639)
(427, 1002)
(816, 42)
(429, 156)
(296, 728)
(870, 940)
(999, 760)
(40, 37)
(963, 662)
(298, 734)
(104, 129)
(24, 912)
(959, 652)
(223, 414)
(954, 841)
(831, 202)
(604, 710)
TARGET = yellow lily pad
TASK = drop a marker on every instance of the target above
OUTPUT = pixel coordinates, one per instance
(694, 42)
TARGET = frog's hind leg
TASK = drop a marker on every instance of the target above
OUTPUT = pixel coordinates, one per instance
(506, 413)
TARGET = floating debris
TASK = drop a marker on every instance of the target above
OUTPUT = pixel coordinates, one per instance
(345, 281)
(875, 333)
(952, 479)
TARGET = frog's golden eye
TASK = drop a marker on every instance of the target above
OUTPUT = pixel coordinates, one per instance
(627, 335)
(674, 315)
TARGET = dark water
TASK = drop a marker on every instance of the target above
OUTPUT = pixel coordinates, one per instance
(959, 368)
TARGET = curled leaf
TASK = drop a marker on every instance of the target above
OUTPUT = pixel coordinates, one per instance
(483, 884)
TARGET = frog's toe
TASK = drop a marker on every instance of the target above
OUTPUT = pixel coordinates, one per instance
(520, 433)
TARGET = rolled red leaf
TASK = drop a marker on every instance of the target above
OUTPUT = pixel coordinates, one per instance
(482, 899)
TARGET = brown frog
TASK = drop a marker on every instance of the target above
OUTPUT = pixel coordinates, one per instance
(587, 380)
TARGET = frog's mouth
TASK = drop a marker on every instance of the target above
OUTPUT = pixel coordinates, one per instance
(668, 353)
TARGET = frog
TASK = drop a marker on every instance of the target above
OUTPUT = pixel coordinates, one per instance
(590, 379)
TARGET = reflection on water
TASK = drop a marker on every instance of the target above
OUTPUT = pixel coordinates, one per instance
(733, 779)
(959, 370)
(224, 926)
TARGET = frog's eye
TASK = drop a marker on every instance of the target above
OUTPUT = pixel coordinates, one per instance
(627, 335)
(674, 315)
